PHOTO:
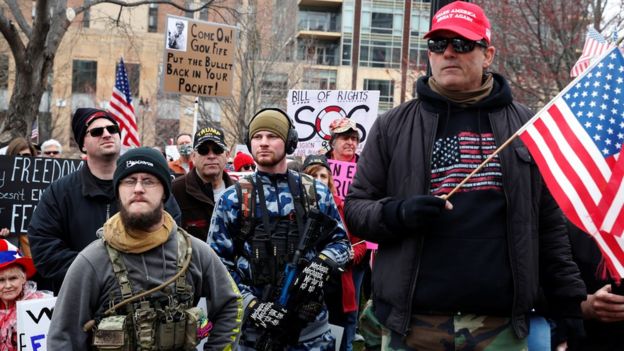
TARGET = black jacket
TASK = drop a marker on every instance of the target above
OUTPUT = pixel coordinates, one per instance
(196, 202)
(67, 217)
(396, 163)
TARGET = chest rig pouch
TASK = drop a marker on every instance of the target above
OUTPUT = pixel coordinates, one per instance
(273, 241)
(152, 323)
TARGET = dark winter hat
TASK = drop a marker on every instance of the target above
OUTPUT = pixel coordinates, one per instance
(272, 120)
(81, 120)
(215, 135)
(143, 159)
(316, 160)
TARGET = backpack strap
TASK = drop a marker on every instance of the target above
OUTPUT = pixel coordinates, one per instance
(184, 249)
(120, 270)
(245, 191)
(309, 193)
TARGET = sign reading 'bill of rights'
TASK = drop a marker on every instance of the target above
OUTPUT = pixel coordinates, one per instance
(199, 57)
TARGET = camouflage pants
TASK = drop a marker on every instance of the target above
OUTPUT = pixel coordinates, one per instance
(448, 333)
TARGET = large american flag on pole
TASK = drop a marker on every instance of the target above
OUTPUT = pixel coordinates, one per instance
(576, 141)
(120, 106)
(595, 45)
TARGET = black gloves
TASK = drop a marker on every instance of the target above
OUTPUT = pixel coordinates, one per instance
(412, 213)
(309, 283)
(266, 315)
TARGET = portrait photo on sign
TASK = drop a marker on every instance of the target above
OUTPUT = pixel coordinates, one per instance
(176, 34)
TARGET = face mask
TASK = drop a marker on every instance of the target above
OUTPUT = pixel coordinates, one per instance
(185, 150)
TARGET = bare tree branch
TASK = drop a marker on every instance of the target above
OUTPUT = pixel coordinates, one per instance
(19, 16)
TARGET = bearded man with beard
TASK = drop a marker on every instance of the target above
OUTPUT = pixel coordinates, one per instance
(255, 228)
(141, 248)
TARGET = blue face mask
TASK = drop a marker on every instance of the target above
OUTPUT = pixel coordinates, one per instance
(185, 150)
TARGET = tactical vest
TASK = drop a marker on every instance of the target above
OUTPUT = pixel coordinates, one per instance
(273, 240)
(153, 323)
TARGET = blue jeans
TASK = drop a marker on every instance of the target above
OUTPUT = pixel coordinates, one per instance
(539, 334)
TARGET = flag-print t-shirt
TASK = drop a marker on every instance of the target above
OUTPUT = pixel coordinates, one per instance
(465, 262)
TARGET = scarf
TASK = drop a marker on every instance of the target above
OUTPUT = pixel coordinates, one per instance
(136, 241)
(464, 98)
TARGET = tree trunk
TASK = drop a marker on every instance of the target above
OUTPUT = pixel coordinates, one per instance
(30, 83)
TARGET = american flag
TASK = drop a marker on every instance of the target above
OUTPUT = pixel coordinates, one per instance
(595, 45)
(120, 106)
(457, 156)
(576, 141)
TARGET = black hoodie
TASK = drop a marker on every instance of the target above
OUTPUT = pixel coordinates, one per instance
(465, 265)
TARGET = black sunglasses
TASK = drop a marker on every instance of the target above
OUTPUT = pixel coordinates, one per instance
(52, 152)
(460, 45)
(97, 132)
(248, 168)
(204, 149)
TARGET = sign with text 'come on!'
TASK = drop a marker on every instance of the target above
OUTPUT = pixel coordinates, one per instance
(199, 57)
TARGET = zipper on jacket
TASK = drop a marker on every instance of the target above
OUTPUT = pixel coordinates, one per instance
(510, 252)
(421, 238)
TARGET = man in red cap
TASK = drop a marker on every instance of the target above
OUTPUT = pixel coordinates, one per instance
(465, 275)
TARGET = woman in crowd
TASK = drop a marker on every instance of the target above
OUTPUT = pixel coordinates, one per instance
(340, 297)
(15, 271)
(19, 147)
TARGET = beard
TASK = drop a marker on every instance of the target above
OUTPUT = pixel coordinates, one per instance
(270, 162)
(140, 221)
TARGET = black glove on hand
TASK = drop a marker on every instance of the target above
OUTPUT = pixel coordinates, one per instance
(413, 212)
(309, 283)
(266, 315)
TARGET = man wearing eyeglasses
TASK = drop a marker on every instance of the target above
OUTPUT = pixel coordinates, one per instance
(73, 208)
(51, 148)
(198, 191)
(464, 273)
(143, 249)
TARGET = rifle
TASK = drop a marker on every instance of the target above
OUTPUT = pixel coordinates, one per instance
(278, 340)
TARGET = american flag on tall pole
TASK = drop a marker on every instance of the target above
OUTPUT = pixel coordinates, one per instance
(595, 45)
(576, 141)
(120, 106)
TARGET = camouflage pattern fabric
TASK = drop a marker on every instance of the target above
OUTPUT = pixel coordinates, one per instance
(455, 333)
(370, 328)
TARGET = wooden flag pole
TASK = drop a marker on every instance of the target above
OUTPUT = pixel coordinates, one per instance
(487, 160)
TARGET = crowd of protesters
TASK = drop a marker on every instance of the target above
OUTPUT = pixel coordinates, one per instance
(494, 267)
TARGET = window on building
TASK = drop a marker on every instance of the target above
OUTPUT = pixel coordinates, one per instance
(86, 18)
(318, 53)
(203, 14)
(386, 92)
(152, 18)
(134, 78)
(274, 86)
(346, 51)
(4, 82)
(381, 23)
(84, 77)
(188, 4)
(319, 79)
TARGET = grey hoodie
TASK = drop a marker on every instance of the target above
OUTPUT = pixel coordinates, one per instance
(90, 281)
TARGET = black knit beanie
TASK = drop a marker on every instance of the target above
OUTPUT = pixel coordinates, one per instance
(81, 120)
(143, 159)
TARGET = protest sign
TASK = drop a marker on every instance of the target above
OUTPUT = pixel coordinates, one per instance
(33, 322)
(22, 182)
(343, 174)
(199, 57)
(312, 111)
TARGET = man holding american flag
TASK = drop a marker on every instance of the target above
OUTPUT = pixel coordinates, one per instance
(465, 275)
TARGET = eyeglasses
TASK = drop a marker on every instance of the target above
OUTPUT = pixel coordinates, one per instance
(460, 45)
(51, 152)
(97, 132)
(204, 149)
(248, 167)
(131, 182)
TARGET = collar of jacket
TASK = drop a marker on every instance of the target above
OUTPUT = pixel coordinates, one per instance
(90, 187)
(193, 184)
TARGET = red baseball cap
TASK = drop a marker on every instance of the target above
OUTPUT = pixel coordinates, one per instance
(464, 18)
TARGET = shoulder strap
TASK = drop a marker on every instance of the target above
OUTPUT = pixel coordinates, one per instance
(184, 249)
(309, 191)
(246, 198)
(120, 270)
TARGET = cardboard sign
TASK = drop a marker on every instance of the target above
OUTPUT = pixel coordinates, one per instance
(22, 182)
(199, 57)
(33, 322)
(312, 111)
(343, 174)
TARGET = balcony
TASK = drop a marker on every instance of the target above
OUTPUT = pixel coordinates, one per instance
(319, 25)
(320, 3)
